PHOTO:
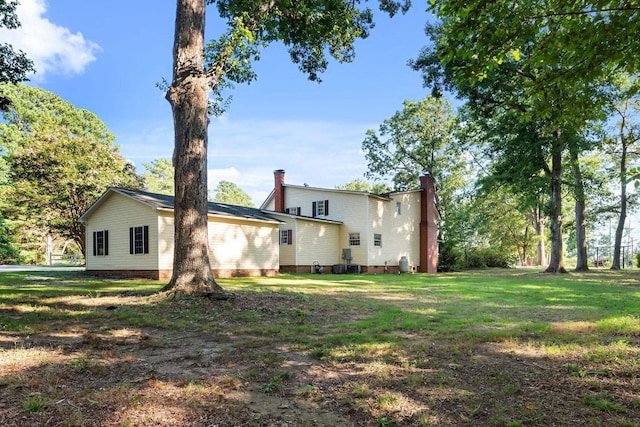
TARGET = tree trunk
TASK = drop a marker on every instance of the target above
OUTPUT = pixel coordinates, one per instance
(189, 96)
(538, 222)
(556, 257)
(582, 261)
(615, 265)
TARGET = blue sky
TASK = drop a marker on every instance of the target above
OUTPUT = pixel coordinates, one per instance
(108, 56)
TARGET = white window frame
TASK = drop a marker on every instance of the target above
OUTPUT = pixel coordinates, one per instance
(320, 208)
(101, 243)
(354, 239)
(139, 240)
(377, 240)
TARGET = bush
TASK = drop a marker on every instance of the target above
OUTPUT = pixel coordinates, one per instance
(447, 257)
(9, 253)
(451, 258)
(487, 258)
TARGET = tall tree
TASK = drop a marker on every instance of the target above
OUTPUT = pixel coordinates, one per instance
(628, 127)
(309, 28)
(505, 56)
(228, 192)
(514, 164)
(60, 160)
(419, 139)
(159, 176)
(14, 66)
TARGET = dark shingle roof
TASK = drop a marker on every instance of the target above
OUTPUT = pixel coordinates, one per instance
(163, 201)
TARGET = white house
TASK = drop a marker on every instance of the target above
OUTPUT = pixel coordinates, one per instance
(297, 229)
(374, 233)
(130, 233)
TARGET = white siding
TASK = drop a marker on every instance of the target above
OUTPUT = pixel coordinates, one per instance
(400, 232)
(165, 233)
(116, 214)
(317, 241)
(288, 252)
(348, 207)
(243, 245)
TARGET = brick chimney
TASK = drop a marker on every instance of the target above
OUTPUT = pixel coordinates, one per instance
(428, 226)
(278, 190)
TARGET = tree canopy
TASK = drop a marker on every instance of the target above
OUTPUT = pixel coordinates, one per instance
(229, 193)
(360, 184)
(14, 66)
(159, 176)
(60, 160)
(533, 58)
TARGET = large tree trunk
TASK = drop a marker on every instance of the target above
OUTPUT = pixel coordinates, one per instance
(556, 257)
(189, 96)
(582, 261)
(615, 265)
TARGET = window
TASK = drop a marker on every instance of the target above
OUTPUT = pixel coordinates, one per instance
(320, 208)
(377, 240)
(398, 208)
(139, 240)
(286, 237)
(101, 243)
(354, 239)
(293, 211)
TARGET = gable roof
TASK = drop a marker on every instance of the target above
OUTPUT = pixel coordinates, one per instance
(166, 202)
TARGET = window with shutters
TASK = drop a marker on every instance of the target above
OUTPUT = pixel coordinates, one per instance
(286, 237)
(139, 240)
(101, 243)
(293, 211)
(320, 208)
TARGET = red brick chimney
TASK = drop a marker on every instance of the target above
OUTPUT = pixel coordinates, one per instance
(278, 190)
(428, 226)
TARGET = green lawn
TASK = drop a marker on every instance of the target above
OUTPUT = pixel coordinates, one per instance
(490, 347)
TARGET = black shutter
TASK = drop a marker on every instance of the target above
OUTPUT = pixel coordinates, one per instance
(314, 208)
(131, 240)
(298, 209)
(95, 243)
(106, 242)
(290, 236)
(326, 207)
(146, 239)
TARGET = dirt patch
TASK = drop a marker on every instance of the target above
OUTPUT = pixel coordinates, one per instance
(274, 359)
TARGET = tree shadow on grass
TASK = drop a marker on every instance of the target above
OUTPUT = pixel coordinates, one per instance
(418, 355)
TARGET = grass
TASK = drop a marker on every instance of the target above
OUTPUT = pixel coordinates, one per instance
(492, 347)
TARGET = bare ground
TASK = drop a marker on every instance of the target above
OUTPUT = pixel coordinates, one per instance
(110, 371)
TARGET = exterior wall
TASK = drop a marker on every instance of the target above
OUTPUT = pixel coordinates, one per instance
(166, 233)
(313, 241)
(236, 248)
(367, 215)
(116, 215)
(243, 248)
(317, 242)
(349, 208)
(271, 204)
(400, 232)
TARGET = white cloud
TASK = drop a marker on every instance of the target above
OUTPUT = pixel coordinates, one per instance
(52, 48)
